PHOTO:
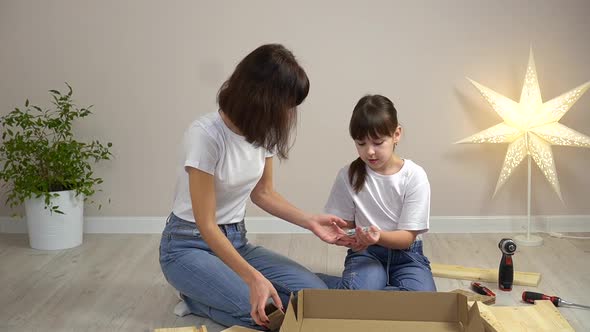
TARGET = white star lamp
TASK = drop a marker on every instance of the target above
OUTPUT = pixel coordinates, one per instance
(530, 127)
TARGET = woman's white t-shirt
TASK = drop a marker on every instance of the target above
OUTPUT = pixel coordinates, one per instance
(236, 165)
(400, 201)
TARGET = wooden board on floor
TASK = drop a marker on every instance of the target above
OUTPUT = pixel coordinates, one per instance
(477, 274)
(543, 316)
(203, 328)
(237, 328)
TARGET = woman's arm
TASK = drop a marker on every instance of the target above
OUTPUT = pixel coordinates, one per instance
(202, 191)
(326, 227)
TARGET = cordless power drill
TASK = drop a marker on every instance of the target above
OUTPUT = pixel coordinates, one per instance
(506, 270)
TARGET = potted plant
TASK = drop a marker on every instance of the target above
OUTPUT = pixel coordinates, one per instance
(47, 169)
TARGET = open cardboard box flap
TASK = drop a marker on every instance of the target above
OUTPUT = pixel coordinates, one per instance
(343, 310)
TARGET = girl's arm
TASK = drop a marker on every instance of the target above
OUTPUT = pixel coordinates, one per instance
(326, 227)
(399, 239)
(202, 191)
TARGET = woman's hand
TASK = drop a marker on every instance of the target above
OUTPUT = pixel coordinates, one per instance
(328, 228)
(260, 291)
(365, 238)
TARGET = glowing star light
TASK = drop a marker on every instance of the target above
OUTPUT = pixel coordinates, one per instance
(530, 126)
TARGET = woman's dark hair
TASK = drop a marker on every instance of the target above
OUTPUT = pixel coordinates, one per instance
(373, 116)
(261, 97)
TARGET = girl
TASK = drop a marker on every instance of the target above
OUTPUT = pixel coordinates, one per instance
(228, 157)
(387, 198)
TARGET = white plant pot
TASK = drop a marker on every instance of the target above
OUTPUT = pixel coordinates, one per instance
(54, 231)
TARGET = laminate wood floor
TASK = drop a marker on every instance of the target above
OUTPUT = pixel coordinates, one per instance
(114, 282)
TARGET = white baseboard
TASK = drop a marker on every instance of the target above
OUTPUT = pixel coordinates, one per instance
(446, 224)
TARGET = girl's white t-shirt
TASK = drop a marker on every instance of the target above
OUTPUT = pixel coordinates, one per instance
(400, 201)
(236, 165)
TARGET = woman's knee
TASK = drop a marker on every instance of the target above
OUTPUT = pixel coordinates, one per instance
(311, 280)
(289, 279)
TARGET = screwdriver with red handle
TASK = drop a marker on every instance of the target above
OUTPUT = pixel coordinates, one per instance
(530, 297)
(481, 289)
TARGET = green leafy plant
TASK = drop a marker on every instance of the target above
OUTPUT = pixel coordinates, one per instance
(39, 155)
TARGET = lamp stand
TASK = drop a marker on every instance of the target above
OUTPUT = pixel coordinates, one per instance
(528, 240)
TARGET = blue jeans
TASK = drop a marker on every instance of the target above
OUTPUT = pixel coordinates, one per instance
(209, 287)
(380, 268)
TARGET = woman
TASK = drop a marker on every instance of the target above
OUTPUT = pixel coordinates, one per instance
(228, 157)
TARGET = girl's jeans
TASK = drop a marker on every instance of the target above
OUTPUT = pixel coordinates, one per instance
(378, 268)
(209, 287)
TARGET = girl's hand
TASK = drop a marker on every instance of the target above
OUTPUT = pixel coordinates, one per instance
(346, 241)
(328, 228)
(366, 238)
(352, 243)
(260, 291)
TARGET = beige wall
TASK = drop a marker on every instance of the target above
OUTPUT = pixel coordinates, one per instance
(151, 67)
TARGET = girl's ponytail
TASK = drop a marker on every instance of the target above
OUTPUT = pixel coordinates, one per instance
(356, 174)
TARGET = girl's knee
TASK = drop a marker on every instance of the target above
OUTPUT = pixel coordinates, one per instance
(422, 286)
(359, 282)
(428, 287)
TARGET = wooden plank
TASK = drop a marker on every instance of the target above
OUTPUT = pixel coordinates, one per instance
(543, 316)
(237, 328)
(478, 274)
(183, 329)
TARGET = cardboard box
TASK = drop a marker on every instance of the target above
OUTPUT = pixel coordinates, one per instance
(472, 297)
(316, 310)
